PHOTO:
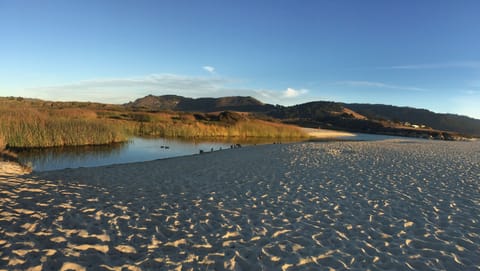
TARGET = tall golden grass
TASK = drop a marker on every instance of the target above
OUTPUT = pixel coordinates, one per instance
(2, 141)
(196, 129)
(30, 127)
(26, 124)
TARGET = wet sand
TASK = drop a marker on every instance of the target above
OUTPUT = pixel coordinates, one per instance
(396, 205)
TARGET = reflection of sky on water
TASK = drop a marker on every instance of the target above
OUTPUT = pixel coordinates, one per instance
(139, 149)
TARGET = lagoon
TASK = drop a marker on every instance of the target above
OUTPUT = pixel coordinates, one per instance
(136, 150)
(140, 149)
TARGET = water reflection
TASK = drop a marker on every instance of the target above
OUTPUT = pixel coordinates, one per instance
(70, 157)
(143, 149)
(137, 150)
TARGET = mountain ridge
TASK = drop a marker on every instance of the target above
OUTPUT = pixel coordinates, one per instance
(358, 117)
(180, 103)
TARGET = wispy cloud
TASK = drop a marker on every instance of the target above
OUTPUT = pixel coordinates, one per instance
(293, 93)
(445, 65)
(209, 69)
(379, 85)
(121, 90)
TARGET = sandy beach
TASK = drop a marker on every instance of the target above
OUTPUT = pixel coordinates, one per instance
(326, 133)
(390, 205)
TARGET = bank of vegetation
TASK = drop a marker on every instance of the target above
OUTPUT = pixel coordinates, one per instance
(34, 123)
(24, 127)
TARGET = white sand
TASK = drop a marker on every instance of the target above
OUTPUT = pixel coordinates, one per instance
(11, 169)
(395, 205)
(325, 133)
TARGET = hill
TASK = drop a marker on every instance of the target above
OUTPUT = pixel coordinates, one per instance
(370, 118)
(178, 103)
(384, 119)
(447, 122)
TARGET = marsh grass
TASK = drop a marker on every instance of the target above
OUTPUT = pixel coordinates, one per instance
(2, 141)
(197, 129)
(30, 127)
(32, 124)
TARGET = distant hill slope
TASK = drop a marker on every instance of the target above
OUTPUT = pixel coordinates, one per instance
(446, 122)
(326, 115)
(317, 111)
(179, 103)
(355, 117)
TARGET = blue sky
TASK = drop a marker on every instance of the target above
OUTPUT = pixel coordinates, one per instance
(410, 53)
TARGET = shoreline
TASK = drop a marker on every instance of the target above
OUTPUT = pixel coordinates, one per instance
(326, 134)
(9, 168)
(91, 156)
(394, 204)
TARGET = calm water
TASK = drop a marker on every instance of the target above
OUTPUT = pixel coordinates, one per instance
(137, 150)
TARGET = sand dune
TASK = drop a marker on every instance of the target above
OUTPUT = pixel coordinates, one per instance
(395, 205)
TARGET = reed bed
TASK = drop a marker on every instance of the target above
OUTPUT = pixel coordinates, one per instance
(2, 141)
(197, 129)
(31, 124)
(30, 127)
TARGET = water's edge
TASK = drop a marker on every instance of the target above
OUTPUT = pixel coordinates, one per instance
(139, 150)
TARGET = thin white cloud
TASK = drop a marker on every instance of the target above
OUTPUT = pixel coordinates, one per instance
(293, 93)
(209, 69)
(122, 90)
(379, 85)
(446, 65)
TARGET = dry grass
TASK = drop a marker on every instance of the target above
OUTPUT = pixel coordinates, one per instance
(30, 127)
(26, 124)
(241, 129)
(2, 142)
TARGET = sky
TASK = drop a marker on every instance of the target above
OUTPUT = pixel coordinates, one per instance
(423, 54)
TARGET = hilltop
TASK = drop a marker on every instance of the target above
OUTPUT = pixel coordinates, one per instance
(179, 103)
(371, 118)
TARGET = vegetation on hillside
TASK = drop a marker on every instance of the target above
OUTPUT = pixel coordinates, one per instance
(353, 117)
(184, 104)
(447, 122)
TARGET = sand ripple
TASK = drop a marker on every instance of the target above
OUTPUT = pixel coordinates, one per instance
(343, 206)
